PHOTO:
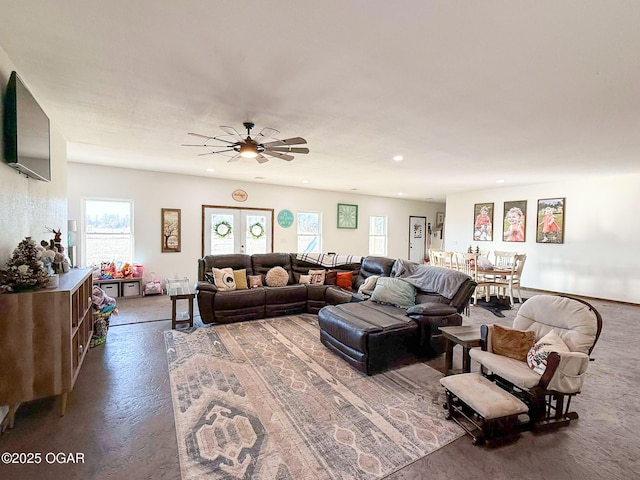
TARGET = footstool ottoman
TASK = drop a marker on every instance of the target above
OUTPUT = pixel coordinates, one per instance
(490, 409)
(372, 337)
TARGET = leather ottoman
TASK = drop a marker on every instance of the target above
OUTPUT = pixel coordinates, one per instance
(371, 337)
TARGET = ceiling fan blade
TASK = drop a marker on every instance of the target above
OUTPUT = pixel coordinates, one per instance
(234, 158)
(289, 149)
(283, 156)
(262, 159)
(231, 131)
(266, 132)
(286, 141)
(198, 135)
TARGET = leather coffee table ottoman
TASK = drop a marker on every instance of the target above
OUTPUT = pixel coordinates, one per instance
(371, 337)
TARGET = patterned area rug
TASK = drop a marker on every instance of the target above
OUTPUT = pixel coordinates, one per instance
(266, 400)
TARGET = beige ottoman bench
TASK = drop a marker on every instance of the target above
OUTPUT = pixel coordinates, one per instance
(490, 409)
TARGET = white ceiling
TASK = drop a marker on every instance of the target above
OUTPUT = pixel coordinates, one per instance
(468, 92)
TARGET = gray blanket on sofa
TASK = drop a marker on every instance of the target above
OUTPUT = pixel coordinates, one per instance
(438, 280)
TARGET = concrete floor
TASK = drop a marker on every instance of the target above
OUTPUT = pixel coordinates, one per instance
(120, 417)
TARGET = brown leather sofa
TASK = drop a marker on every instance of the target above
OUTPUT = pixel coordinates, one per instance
(373, 337)
(263, 302)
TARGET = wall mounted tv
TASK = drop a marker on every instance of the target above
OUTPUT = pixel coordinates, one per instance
(26, 132)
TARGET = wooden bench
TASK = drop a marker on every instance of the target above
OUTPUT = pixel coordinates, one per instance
(491, 412)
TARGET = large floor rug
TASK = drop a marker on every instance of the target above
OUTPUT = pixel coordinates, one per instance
(266, 400)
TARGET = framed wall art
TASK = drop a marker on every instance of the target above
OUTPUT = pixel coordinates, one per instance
(483, 222)
(347, 216)
(550, 228)
(439, 220)
(170, 230)
(514, 222)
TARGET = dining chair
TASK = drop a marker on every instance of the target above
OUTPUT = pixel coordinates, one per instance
(507, 282)
(443, 259)
(467, 263)
(503, 259)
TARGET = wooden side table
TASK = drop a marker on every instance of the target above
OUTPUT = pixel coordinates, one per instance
(467, 336)
(181, 293)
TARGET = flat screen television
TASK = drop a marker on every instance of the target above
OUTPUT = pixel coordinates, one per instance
(26, 132)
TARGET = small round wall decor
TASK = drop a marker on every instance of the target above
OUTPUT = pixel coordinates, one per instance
(239, 195)
(285, 218)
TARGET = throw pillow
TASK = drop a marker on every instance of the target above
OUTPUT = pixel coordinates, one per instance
(277, 277)
(344, 280)
(394, 291)
(331, 277)
(537, 356)
(317, 276)
(255, 281)
(240, 276)
(305, 279)
(512, 343)
(369, 283)
(224, 279)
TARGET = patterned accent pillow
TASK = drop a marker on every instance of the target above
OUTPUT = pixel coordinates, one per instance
(224, 279)
(369, 283)
(512, 343)
(317, 276)
(240, 276)
(277, 277)
(537, 356)
(255, 281)
(305, 279)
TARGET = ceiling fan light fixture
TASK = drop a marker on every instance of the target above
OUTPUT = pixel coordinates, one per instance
(248, 151)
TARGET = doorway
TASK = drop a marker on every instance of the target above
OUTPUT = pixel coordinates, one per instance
(236, 230)
(417, 239)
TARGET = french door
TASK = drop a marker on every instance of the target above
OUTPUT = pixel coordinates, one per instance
(236, 230)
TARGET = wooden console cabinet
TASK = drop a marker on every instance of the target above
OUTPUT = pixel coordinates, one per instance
(44, 337)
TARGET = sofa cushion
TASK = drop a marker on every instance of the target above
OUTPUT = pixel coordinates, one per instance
(224, 279)
(240, 276)
(430, 309)
(511, 343)
(537, 356)
(394, 292)
(514, 371)
(263, 262)
(369, 283)
(277, 277)
(345, 280)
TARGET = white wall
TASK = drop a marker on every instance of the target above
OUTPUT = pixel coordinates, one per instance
(27, 206)
(599, 257)
(151, 191)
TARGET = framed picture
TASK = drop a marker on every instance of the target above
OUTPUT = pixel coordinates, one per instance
(483, 222)
(170, 230)
(347, 216)
(514, 222)
(550, 228)
(439, 220)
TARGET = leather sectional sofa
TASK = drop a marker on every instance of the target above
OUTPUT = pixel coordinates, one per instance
(370, 336)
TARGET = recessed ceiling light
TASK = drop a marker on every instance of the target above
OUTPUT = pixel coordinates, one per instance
(398, 158)
(500, 181)
(400, 194)
(211, 170)
(305, 181)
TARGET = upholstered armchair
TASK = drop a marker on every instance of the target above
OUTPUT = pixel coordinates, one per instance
(565, 331)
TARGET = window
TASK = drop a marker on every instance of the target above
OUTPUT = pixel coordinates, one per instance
(309, 232)
(377, 236)
(108, 231)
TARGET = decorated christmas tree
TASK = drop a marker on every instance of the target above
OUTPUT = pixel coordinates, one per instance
(24, 271)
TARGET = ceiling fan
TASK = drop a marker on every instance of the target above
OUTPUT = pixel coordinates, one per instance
(256, 147)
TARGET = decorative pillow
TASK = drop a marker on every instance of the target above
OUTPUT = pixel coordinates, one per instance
(224, 279)
(331, 277)
(255, 281)
(277, 277)
(512, 343)
(305, 279)
(394, 291)
(317, 276)
(240, 276)
(537, 356)
(344, 280)
(369, 283)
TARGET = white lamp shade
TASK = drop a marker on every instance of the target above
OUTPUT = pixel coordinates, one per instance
(72, 226)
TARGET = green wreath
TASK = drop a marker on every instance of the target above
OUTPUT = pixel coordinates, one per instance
(222, 229)
(260, 231)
